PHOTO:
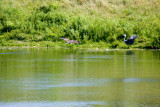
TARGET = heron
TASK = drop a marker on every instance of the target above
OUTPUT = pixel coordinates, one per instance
(129, 41)
(71, 41)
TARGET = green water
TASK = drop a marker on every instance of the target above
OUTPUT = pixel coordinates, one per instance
(31, 77)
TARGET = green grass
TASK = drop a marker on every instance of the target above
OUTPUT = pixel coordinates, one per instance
(95, 23)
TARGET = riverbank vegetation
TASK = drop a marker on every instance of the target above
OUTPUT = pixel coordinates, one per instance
(95, 23)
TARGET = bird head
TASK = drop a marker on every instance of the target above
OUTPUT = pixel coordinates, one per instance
(124, 35)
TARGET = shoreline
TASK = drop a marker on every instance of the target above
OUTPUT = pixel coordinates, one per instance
(57, 45)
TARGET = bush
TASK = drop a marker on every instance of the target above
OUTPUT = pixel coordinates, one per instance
(83, 20)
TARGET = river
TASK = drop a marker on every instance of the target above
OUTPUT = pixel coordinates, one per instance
(47, 77)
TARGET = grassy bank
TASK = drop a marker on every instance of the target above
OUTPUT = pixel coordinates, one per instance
(95, 23)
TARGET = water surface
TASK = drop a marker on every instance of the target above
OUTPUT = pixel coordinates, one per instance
(41, 77)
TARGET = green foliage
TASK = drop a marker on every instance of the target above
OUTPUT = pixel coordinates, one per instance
(156, 42)
(48, 22)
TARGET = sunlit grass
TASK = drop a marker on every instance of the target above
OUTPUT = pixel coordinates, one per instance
(96, 21)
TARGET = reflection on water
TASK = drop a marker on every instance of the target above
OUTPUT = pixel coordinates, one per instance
(63, 77)
(129, 53)
(15, 53)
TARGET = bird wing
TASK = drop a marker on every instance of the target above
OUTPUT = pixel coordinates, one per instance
(133, 37)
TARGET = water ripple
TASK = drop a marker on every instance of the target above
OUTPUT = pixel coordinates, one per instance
(15, 52)
(55, 104)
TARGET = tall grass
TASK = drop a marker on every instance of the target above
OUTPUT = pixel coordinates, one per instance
(83, 20)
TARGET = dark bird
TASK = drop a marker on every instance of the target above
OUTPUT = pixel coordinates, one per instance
(71, 41)
(130, 41)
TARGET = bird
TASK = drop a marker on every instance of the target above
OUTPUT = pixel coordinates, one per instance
(129, 41)
(71, 41)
